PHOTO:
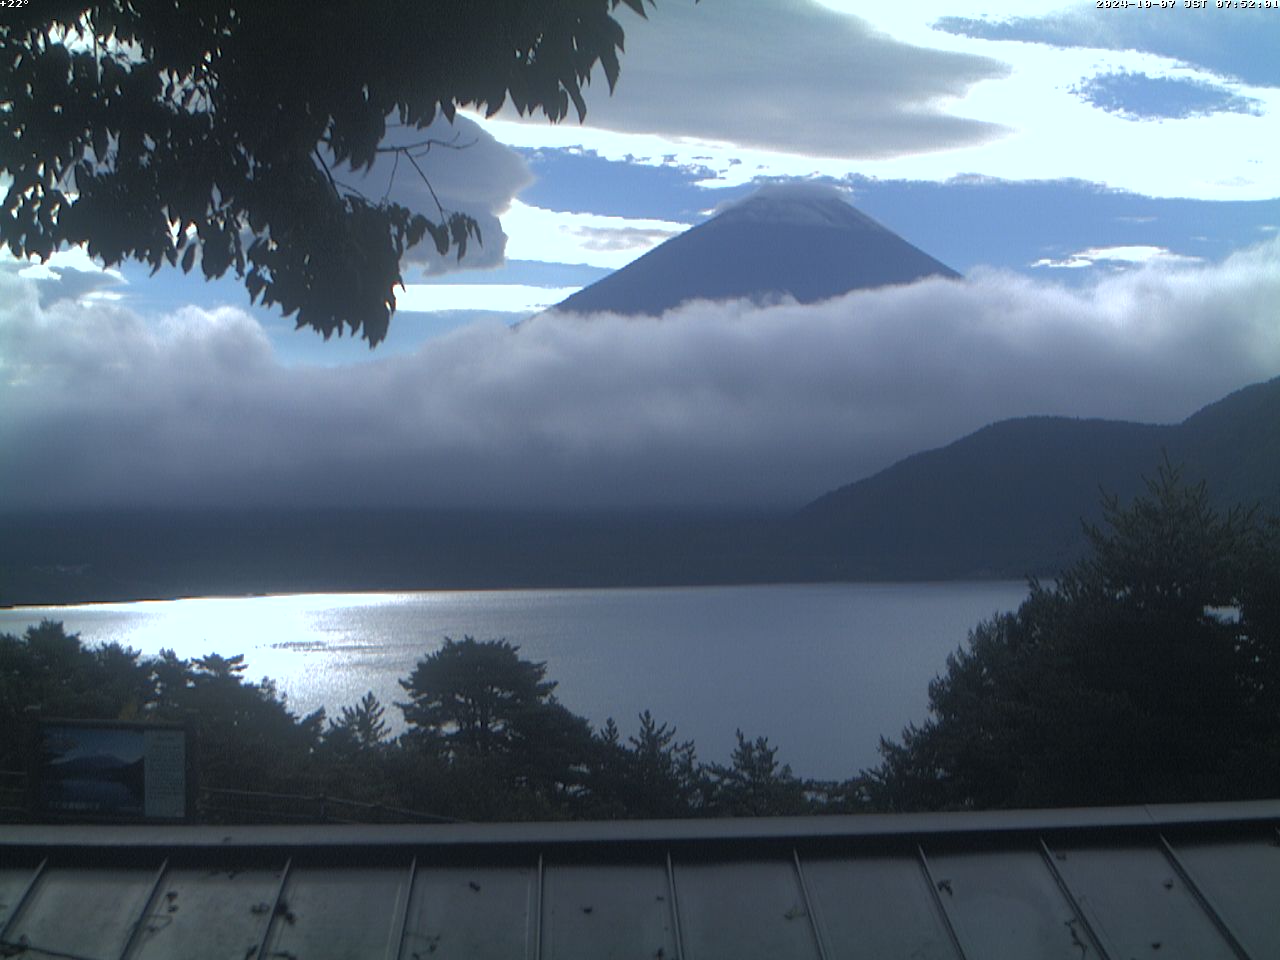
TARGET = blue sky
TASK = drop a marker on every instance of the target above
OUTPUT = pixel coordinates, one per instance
(1106, 180)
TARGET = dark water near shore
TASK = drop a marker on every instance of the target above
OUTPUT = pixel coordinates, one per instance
(822, 670)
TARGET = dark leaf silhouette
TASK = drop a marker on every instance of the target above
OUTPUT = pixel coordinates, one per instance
(127, 124)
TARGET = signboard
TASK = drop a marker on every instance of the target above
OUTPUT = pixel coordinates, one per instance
(107, 770)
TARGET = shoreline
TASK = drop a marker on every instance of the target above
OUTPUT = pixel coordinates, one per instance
(324, 590)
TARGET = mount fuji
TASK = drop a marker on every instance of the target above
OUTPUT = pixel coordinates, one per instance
(805, 243)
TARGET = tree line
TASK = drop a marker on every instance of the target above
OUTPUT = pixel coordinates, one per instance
(1148, 672)
(485, 738)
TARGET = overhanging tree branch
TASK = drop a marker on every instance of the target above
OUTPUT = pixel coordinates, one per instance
(208, 119)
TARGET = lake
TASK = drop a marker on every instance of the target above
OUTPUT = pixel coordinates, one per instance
(823, 670)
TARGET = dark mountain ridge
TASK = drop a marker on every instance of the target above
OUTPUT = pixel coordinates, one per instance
(1009, 499)
(804, 243)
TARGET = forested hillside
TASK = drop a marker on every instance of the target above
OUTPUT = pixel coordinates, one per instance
(1009, 499)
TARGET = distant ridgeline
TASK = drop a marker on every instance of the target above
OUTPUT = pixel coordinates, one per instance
(1006, 501)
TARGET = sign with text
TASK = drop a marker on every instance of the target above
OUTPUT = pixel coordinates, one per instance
(103, 770)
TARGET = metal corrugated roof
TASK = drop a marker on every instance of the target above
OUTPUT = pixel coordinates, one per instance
(1196, 882)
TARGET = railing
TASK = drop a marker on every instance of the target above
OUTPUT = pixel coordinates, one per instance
(256, 806)
(215, 805)
(13, 796)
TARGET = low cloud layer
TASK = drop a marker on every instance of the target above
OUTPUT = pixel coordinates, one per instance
(711, 404)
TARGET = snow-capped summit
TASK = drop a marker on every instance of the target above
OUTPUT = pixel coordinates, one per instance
(800, 241)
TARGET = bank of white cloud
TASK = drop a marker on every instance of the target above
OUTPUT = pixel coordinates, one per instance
(712, 403)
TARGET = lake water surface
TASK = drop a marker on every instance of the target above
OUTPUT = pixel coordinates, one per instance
(823, 670)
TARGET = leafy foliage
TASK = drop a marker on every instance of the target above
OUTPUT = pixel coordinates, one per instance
(51, 669)
(361, 727)
(470, 697)
(486, 738)
(755, 784)
(247, 737)
(158, 131)
(1147, 673)
(488, 718)
(651, 774)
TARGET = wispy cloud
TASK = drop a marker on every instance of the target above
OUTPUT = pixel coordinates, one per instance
(795, 89)
(67, 275)
(594, 239)
(1123, 255)
(757, 73)
(1137, 96)
(520, 298)
(1229, 43)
